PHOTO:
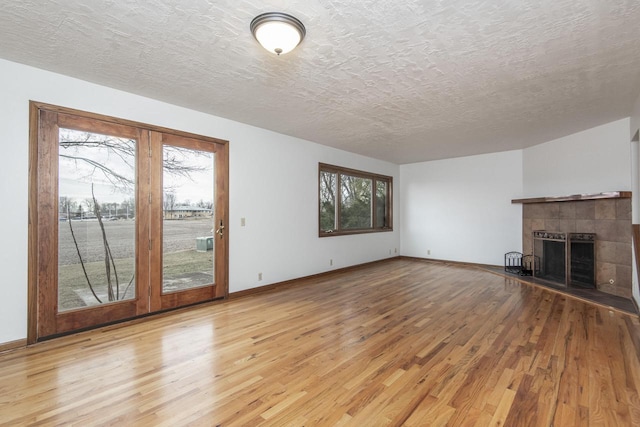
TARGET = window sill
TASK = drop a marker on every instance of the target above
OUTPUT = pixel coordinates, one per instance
(351, 232)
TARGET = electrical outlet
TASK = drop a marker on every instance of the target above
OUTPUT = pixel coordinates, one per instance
(242, 222)
(331, 261)
(428, 251)
(389, 251)
(395, 251)
(259, 276)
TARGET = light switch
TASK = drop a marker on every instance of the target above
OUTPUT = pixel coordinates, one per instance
(242, 222)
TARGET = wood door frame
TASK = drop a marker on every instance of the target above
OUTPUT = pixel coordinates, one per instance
(160, 301)
(36, 242)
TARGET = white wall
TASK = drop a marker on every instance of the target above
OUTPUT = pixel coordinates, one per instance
(273, 184)
(634, 123)
(634, 128)
(592, 161)
(460, 209)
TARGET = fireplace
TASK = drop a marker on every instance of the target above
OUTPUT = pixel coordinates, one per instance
(606, 215)
(567, 259)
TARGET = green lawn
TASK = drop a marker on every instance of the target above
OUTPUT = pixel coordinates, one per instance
(182, 269)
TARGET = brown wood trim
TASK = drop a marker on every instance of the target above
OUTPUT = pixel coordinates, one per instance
(374, 177)
(186, 297)
(222, 212)
(635, 230)
(32, 269)
(117, 120)
(355, 231)
(47, 224)
(576, 197)
(303, 280)
(67, 321)
(353, 172)
(12, 345)
(86, 124)
(155, 220)
(143, 233)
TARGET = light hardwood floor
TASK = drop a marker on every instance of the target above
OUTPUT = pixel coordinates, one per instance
(402, 342)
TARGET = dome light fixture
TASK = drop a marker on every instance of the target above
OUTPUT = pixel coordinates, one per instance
(277, 32)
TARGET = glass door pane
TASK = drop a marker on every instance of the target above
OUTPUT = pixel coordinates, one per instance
(96, 219)
(188, 231)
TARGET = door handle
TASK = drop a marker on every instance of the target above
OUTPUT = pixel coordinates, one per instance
(220, 230)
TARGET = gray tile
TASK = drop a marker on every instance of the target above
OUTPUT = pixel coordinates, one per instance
(623, 209)
(605, 271)
(536, 210)
(586, 209)
(623, 280)
(624, 254)
(606, 251)
(552, 210)
(606, 209)
(623, 231)
(607, 230)
(567, 225)
(585, 226)
(567, 210)
(537, 224)
(552, 225)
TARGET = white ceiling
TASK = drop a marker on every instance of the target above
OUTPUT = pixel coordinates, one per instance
(404, 81)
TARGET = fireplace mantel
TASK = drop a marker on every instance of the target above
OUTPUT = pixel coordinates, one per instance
(576, 197)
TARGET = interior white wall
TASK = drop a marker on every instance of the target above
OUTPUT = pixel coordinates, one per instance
(634, 120)
(460, 209)
(592, 161)
(634, 133)
(273, 184)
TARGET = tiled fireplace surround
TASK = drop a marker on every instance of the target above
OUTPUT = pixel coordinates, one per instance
(608, 218)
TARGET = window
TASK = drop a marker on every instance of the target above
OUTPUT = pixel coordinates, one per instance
(352, 201)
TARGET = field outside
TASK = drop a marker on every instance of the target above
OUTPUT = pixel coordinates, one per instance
(183, 266)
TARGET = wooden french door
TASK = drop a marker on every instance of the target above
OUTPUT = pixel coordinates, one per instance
(187, 277)
(122, 218)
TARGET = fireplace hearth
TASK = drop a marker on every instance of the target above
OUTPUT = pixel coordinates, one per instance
(567, 259)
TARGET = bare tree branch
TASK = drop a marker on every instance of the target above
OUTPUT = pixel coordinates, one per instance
(128, 286)
(113, 177)
(175, 161)
(108, 257)
(84, 270)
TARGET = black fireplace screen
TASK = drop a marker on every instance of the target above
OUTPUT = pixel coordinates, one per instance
(565, 258)
(582, 260)
(553, 260)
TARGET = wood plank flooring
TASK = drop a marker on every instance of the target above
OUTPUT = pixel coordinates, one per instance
(402, 342)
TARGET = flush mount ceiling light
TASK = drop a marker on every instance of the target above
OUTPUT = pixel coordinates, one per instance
(277, 32)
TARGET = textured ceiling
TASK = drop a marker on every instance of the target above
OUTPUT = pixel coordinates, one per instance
(403, 81)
